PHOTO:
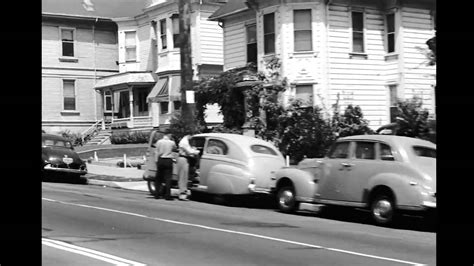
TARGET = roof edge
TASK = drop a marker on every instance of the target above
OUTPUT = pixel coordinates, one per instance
(211, 18)
(55, 15)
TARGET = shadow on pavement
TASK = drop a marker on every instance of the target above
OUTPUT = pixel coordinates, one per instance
(66, 179)
(404, 222)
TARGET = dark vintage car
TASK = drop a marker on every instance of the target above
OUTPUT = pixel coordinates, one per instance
(58, 159)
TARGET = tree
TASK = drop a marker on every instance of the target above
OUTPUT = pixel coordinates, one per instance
(351, 123)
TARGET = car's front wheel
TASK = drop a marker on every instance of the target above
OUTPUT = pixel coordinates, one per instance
(382, 209)
(286, 199)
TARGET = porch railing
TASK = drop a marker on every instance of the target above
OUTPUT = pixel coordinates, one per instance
(89, 133)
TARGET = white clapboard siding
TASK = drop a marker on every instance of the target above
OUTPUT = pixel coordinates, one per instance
(211, 41)
(144, 43)
(234, 42)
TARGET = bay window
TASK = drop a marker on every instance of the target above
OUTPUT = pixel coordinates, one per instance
(302, 30)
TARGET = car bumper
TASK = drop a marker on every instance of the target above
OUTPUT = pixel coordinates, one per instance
(253, 189)
(49, 168)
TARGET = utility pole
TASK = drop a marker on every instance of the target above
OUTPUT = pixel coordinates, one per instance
(187, 104)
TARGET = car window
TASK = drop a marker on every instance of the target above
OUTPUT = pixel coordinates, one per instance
(262, 149)
(424, 151)
(215, 146)
(59, 143)
(339, 150)
(386, 152)
(365, 150)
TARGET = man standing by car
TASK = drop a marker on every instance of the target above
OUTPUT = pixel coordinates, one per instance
(187, 157)
(164, 159)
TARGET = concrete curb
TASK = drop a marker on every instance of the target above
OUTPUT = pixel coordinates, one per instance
(131, 185)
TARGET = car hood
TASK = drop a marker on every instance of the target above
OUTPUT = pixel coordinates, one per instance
(59, 152)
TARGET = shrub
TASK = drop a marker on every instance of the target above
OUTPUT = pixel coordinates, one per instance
(412, 119)
(303, 132)
(351, 123)
(127, 137)
(179, 128)
(74, 137)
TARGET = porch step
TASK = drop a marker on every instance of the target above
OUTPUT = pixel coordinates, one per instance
(103, 137)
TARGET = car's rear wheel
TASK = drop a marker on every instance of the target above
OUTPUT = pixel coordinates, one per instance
(151, 187)
(286, 199)
(382, 209)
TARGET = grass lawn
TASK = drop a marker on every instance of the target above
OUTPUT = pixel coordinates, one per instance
(115, 152)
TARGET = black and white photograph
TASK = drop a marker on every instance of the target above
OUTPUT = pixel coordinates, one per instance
(238, 132)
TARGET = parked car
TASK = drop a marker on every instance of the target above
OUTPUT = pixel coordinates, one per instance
(385, 174)
(58, 158)
(231, 164)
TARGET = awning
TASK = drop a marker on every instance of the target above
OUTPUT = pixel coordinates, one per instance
(159, 93)
(166, 90)
(126, 78)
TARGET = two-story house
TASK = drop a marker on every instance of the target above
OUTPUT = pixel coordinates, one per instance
(79, 46)
(364, 52)
(146, 91)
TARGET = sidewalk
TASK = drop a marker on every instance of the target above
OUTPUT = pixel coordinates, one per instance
(105, 173)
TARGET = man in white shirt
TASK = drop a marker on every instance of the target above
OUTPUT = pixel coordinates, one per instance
(186, 153)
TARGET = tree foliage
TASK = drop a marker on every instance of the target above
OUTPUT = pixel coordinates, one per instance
(351, 122)
(412, 119)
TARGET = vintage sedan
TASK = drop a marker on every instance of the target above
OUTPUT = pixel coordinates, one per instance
(58, 158)
(385, 174)
(232, 164)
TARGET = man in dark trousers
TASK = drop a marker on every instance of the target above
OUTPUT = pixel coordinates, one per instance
(164, 158)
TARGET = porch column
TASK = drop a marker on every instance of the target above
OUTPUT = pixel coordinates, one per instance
(130, 96)
(113, 105)
(102, 94)
(155, 114)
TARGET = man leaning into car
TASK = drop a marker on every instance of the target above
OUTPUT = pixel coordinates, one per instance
(164, 163)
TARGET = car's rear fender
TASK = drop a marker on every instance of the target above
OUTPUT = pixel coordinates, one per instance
(404, 189)
(228, 179)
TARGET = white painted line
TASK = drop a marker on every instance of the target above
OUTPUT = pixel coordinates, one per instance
(241, 233)
(90, 253)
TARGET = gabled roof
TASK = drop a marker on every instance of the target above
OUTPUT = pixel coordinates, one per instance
(232, 7)
(102, 8)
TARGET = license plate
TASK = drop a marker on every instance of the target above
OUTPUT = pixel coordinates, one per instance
(67, 160)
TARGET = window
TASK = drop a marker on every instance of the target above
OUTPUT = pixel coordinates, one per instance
(142, 93)
(386, 152)
(262, 149)
(303, 33)
(390, 20)
(175, 20)
(305, 93)
(164, 107)
(269, 33)
(108, 101)
(393, 102)
(424, 151)
(252, 43)
(67, 39)
(365, 150)
(164, 41)
(130, 46)
(339, 150)
(358, 32)
(215, 146)
(69, 95)
(177, 105)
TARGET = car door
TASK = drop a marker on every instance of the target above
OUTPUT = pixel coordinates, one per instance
(362, 166)
(336, 168)
(150, 164)
(215, 150)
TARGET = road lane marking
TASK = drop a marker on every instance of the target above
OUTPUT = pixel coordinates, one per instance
(90, 253)
(240, 233)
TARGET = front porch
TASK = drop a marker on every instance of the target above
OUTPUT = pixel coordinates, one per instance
(124, 100)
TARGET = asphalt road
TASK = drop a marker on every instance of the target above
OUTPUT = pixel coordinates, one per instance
(92, 225)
